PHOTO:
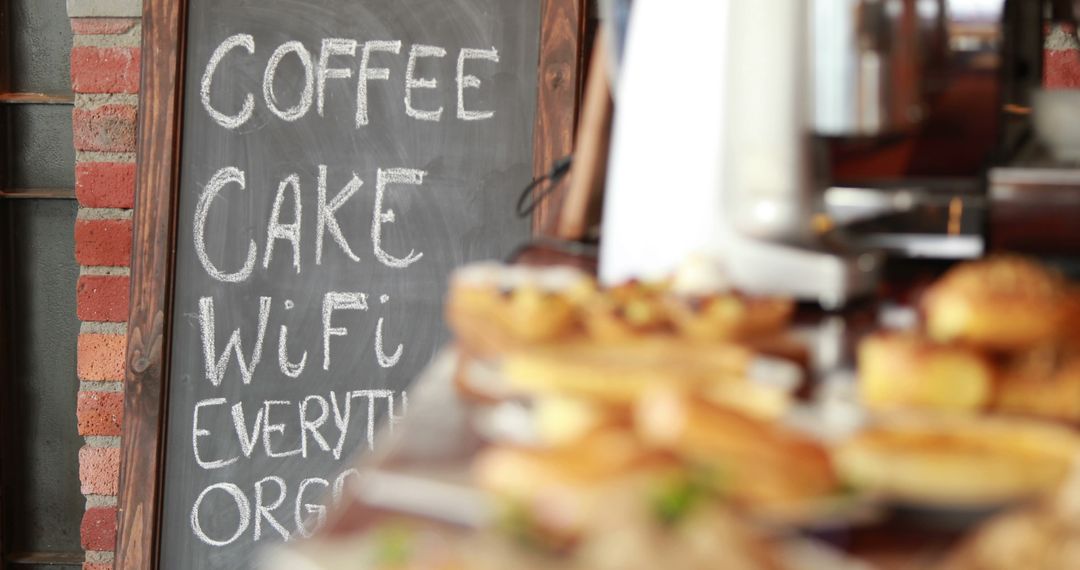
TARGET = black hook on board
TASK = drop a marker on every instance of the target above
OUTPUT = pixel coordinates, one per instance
(525, 206)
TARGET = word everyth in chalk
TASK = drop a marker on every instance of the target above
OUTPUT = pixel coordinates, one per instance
(315, 424)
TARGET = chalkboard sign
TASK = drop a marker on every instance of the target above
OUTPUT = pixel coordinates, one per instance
(310, 172)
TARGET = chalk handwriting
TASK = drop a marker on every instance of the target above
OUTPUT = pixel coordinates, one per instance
(411, 82)
(270, 96)
(247, 84)
(328, 66)
(216, 364)
(385, 178)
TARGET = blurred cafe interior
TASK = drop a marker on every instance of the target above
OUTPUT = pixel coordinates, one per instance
(540, 284)
(804, 297)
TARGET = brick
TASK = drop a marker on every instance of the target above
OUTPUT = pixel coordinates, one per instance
(102, 26)
(98, 529)
(105, 69)
(100, 413)
(103, 242)
(97, 566)
(102, 298)
(108, 128)
(1061, 69)
(99, 470)
(105, 184)
(1060, 36)
(101, 357)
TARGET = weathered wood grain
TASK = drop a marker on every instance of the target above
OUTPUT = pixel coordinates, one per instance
(157, 185)
(562, 35)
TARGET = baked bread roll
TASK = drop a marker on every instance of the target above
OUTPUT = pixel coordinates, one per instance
(1072, 324)
(562, 491)
(728, 315)
(1044, 383)
(1000, 303)
(958, 460)
(607, 503)
(1023, 539)
(1044, 536)
(901, 370)
(561, 420)
(705, 538)
(621, 373)
(625, 312)
(493, 308)
(759, 463)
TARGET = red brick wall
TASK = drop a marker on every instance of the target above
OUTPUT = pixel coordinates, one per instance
(1062, 57)
(105, 78)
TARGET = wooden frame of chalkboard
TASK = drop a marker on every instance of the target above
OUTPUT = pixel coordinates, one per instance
(563, 36)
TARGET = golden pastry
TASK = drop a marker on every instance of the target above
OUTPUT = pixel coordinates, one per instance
(562, 420)
(901, 370)
(958, 459)
(1044, 536)
(620, 373)
(760, 464)
(728, 315)
(708, 536)
(1072, 324)
(493, 308)
(625, 312)
(1000, 303)
(607, 503)
(562, 490)
(1043, 383)
(1023, 539)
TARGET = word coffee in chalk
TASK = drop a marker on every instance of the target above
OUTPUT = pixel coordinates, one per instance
(361, 69)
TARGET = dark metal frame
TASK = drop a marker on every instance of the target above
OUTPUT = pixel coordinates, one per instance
(562, 38)
(7, 270)
(8, 99)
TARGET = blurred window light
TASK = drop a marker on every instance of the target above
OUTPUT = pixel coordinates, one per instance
(976, 10)
(928, 9)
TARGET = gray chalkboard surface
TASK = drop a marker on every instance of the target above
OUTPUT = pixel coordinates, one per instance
(339, 157)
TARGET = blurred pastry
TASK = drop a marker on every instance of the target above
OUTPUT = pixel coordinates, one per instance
(706, 539)
(607, 503)
(480, 380)
(1000, 303)
(1044, 536)
(492, 308)
(702, 304)
(1043, 383)
(759, 463)
(903, 370)
(703, 538)
(625, 312)
(958, 459)
(404, 545)
(1072, 324)
(1021, 539)
(755, 399)
(562, 420)
(728, 315)
(560, 493)
(620, 373)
